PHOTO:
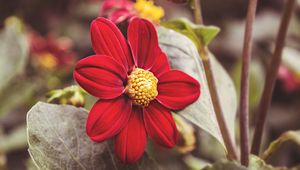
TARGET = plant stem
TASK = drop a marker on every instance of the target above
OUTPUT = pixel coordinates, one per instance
(244, 94)
(271, 76)
(204, 54)
(198, 12)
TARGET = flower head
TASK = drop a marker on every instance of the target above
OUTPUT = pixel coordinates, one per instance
(289, 78)
(121, 10)
(50, 52)
(136, 87)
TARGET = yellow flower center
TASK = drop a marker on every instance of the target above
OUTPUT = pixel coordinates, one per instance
(141, 86)
(147, 9)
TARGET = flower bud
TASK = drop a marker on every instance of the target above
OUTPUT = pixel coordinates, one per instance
(187, 140)
(72, 95)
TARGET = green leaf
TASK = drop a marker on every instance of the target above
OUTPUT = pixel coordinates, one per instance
(57, 140)
(206, 33)
(195, 163)
(225, 165)
(13, 52)
(293, 136)
(183, 55)
(258, 164)
(183, 26)
(255, 164)
(200, 35)
(257, 78)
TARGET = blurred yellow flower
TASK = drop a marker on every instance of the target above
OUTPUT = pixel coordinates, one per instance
(147, 9)
(47, 61)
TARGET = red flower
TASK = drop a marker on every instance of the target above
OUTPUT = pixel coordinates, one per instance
(290, 80)
(51, 52)
(118, 10)
(136, 88)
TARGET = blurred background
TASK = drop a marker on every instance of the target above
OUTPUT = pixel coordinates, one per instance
(40, 42)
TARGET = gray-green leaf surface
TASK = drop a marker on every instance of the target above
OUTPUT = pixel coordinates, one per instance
(57, 140)
(183, 56)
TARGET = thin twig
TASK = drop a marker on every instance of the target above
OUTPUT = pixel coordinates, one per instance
(271, 76)
(203, 52)
(198, 12)
(244, 94)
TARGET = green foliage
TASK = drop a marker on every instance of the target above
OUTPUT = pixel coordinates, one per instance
(255, 164)
(200, 35)
(257, 78)
(73, 95)
(13, 52)
(184, 56)
(57, 140)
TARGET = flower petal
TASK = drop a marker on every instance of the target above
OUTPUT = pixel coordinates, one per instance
(142, 38)
(110, 5)
(131, 141)
(101, 76)
(160, 125)
(176, 90)
(107, 118)
(108, 40)
(161, 65)
(121, 15)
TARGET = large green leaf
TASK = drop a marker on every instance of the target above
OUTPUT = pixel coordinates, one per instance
(57, 140)
(183, 55)
(13, 53)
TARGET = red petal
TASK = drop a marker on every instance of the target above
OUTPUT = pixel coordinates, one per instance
(131, 141)
(107, 118)
(176, 90)
(101, 76)
(108, 40)
(142, 38)
(161, 65)
(160, 125)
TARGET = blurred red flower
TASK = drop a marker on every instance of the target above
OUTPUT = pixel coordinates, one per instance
(121, 10)
(136, 87)
(51, 52)
(117, 10)
(290, 80)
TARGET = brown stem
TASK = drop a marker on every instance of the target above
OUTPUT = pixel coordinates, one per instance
(232, 154)
(203, 52)
(197, 12)
(271, 76)
(244, 94)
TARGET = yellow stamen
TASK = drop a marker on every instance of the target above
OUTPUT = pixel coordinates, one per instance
(141, 86)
